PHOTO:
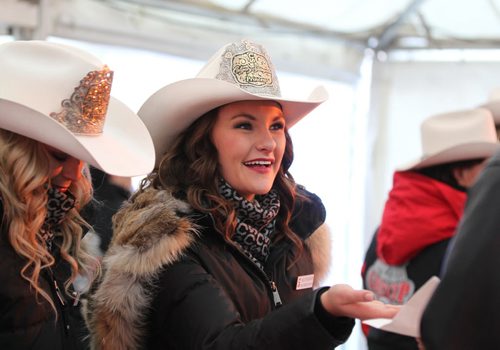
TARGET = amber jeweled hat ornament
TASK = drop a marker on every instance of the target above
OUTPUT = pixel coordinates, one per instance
(60, 95)
(85, 111)
(237, 72)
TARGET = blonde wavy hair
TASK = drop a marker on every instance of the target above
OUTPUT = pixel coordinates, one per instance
(24, 179)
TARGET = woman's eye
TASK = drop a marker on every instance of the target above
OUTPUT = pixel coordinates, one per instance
(246, 126)
(60, 157)
(278, 126)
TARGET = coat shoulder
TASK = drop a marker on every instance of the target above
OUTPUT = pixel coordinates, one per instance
(152, 230)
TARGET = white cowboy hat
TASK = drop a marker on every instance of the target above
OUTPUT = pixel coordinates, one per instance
(456, 136)
(237, 72)
(60, 96)
(493, 105)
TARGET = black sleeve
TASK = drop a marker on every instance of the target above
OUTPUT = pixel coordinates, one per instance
(108, 199)
(339, 327)
(196, 313)
(464, 311)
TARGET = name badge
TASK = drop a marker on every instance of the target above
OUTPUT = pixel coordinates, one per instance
(304, 282)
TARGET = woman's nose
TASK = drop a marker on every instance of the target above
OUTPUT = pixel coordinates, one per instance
(72, 169)
(266, 142)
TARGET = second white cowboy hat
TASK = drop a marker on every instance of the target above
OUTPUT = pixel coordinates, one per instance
(237, 72)
(60, 96)
(456, 136)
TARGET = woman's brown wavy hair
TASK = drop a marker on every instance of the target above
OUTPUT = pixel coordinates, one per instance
(24, 179)
(190, 170)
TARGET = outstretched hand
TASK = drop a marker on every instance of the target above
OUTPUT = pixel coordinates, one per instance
(342, 300)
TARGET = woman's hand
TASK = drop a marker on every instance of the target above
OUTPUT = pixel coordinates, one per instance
(342, 300)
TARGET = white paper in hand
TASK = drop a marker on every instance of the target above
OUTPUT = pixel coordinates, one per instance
(407, 320)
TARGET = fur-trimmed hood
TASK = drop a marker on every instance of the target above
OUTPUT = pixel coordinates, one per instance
(151, 231)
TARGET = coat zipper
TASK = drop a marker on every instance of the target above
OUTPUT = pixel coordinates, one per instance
(269, 281)
(62, 301)
(58, 293)
(276, 295)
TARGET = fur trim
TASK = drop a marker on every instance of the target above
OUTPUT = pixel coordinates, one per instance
(149, 234)
(319, 244)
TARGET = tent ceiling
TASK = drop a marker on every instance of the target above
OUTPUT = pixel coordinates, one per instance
(327, 38)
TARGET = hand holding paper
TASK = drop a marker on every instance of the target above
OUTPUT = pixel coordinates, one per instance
(407, 320)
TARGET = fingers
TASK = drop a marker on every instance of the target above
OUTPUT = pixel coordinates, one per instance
(342, 300)
(346, 295)
(368, 310)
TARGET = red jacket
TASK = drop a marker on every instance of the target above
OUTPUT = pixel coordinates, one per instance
(420, 211)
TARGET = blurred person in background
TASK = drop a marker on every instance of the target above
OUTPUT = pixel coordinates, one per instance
(463, 312)
(423, 210)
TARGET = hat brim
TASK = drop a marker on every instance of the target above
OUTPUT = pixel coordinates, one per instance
(494, 108)
(467, 151)
(174, 107)
(124, 148)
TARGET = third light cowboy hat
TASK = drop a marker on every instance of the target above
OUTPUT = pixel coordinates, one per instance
(493, 105)
(237, 72)
(456, 136)
(60, 96)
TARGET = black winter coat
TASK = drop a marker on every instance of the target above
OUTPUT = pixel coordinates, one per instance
(30, 323)
(463, 313)
(204, 292)
(108, 198)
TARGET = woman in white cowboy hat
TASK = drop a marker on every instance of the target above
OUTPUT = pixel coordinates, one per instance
(221, 249)
(56, 115)
(423, 210)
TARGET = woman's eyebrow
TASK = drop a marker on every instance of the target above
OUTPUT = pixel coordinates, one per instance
(244, 115)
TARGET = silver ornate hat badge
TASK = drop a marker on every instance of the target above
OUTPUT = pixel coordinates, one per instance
(249, 66)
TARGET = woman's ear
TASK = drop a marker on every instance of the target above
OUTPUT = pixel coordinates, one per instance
(460, 175)
(467, 176)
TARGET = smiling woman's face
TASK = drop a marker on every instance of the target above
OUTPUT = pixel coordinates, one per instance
(64, 168)
(250, 140)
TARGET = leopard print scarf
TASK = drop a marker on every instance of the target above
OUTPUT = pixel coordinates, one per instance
(255, 221)
(58, 205)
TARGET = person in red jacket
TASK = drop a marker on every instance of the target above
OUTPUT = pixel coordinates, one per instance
(423, 210)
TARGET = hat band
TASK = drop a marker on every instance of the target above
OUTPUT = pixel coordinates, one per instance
(85, 111)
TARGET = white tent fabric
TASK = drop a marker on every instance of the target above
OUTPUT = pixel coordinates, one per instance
(384, 59)
(314, 37)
